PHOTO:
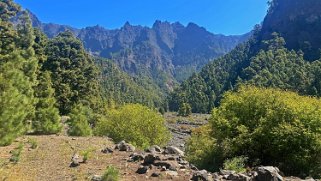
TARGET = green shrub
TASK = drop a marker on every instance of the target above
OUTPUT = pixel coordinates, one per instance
(79, 121)
(86, 154)
(111, 174)
(15, 154)
(270, 127)
(136, 124)
(237, 164)
(33, 143)
(201, 150)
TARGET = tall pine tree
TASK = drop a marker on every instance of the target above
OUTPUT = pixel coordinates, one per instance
(74, 73)
(17, 70)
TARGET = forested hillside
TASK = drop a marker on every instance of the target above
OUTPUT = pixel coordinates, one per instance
(119, 88)
(276, 56)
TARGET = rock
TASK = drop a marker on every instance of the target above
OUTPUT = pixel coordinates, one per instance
(150, 159)
(96, 178)
(202, 176)
(226, 172)
(154, 149)
(173, 150)
(107, 150)
(167, 164)
(163, 168)
(123, 146)
(171, 173)
(193, 167)
(142, 170)
(183, 162)
(238, 177)
(75, 160)
(268, 173)
(155, 174)
(136, 157)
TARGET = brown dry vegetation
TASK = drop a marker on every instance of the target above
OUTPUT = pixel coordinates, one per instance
(50, 161)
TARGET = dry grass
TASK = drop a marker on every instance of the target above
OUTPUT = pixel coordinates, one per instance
(50, 161)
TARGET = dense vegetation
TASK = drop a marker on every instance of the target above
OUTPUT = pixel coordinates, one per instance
(42, 79)
(282, 129)
(267, 59)
(119, 87)
(135, 123)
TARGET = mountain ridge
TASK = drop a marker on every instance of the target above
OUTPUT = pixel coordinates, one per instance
(167, 52)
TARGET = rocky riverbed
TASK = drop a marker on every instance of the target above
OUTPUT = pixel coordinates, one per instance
(181, 127)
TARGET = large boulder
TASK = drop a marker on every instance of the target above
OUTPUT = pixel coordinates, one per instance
(135, 157)
(142, 169)
(123, 146)
(150, 159)
(238, 177)
(202, 175)
(168, 165)
(268, 173)
(173, 150)
(154, 149)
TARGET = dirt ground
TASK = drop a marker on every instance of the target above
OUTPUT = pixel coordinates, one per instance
(51, 160)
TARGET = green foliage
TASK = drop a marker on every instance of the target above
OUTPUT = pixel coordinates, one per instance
(236, 164)
(272, 66)
(122, 88)
(74, 74)
(86, 154)
(184, 110)
(47, 119)
(111, 174)
(281, 129)
(80, 117)
(15, 154)
(17, 74)
(136, 124)
(33, 143)
(201, 150)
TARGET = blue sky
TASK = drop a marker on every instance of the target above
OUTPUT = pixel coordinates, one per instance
(217, 16)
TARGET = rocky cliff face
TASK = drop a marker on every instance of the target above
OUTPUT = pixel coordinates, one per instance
(298, 22)
(166, 52)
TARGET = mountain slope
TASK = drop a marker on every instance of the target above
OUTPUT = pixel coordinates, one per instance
(166, 52)
(276, 56)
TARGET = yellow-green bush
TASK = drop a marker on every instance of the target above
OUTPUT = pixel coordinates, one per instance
(136, 124)
(201, 149)
(270, 127)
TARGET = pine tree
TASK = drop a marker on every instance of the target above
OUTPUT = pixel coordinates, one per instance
(17, 68)
(80, 117)
(74, 73)
(47, 120)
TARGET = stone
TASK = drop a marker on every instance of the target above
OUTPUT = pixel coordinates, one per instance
(268, 173)
(171, 173)
(227, 172)
(154, 149)
(193, 167)
(136, 157)
(107, 150)
(96, 178)
(238, 177)
(155, 174)
(167, 164)
(75, 160)
(150, 159)
(123, 146)
(174, 150)
(202, 176)
(142, 170)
